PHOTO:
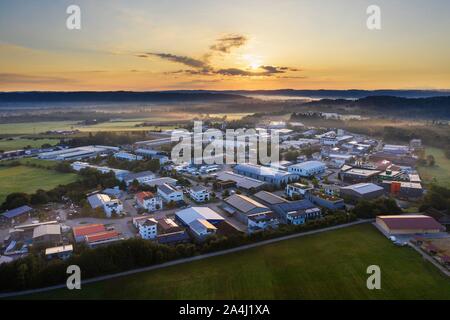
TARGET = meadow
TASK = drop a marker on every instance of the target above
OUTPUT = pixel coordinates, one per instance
(20, 143)
(28, 179)
(440, 173)
(330, 265)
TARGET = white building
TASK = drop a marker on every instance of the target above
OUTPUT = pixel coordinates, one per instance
(199, 194)
(148, 227)
(108, 205)
(300, 189)
(127, 156)
(142, 177)
(308, 168)
(148, 201)
(169, 193)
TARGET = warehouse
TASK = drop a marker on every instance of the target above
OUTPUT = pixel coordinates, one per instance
(308, 168)
(240, 180)
(402, 189)
(408, 224)
(267, 174)
(362, 191)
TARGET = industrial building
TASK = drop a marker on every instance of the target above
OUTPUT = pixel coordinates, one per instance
(240, 181)
(362, 191)
(403, 189)
(266, 174)
(408, 224)
(308, 168)
(77, 153)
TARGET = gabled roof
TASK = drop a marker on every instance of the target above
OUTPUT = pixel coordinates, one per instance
(137, 175)
(193, 213)
(411, 222)
(244, 203)
(269, 197)
(102, 236)
(141, 196)
(88, 229)
(46, 229)
(363, 188)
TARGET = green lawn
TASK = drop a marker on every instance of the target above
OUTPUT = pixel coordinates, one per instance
(28, 179)
(440, 173)
(330, 265)
(20, 143)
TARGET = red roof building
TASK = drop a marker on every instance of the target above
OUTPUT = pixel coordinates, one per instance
(87, 230)
(409, 224)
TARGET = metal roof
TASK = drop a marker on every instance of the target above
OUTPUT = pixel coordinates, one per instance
(261, 170)
(363, 188)
(269, 197)
(241, 181)
(17, 212)
(245, 204)
(307, 165)
(46, 229)
(193, 213)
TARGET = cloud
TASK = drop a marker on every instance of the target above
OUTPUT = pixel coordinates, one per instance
(228, 42)
(188, 61)
(16, 78)
(203, 66)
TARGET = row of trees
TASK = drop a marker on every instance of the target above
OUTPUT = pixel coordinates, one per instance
(35, 271)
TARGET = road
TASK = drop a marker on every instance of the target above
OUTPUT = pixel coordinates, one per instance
(186, 260)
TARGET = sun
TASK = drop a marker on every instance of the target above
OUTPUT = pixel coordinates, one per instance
(253, 61)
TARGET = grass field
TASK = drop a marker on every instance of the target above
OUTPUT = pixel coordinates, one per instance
(330, 265)
(440, 173)
(28, 179)
(20, 143)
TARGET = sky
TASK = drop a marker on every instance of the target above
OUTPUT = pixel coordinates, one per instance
(248, 44)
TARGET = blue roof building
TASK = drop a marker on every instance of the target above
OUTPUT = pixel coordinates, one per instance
(266, 174)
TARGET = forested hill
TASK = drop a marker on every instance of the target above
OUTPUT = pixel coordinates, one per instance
(117, 96)
(433, 107)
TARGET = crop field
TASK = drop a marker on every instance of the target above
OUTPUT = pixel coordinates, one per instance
(330, 265)
(29, 179)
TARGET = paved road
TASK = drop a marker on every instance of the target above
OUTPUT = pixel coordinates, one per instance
(186, 260)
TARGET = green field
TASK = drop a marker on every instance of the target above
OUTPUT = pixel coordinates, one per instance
(28, 179)
(330, 265)
(440, 173)
(20, 143)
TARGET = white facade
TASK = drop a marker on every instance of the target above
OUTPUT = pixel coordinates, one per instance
(119, 173)
(148, 228)
(113, 206)
(149, 201)
(297, 189)
(308, 168)
(199, 194)
(143, 177)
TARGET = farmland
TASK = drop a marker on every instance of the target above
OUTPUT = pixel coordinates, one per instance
(329, 265)
(28, 179)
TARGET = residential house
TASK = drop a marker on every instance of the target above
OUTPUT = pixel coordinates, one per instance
(149, 201)
(169, 193)
(199, 193)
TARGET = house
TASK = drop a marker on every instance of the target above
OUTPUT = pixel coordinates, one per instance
(266, 174)
(298, 189)
(149, 201)
(142, 177)
(296, 212)
(199, 194)
(47, 235)
(148, 227)
(308, 168)
(127, 156)
(202, 228)
(61, 252)
(362, 191)
(18, 214)
(169, 193)
(80, 233)
(262, 221)
(321, 199)
(408, 224)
